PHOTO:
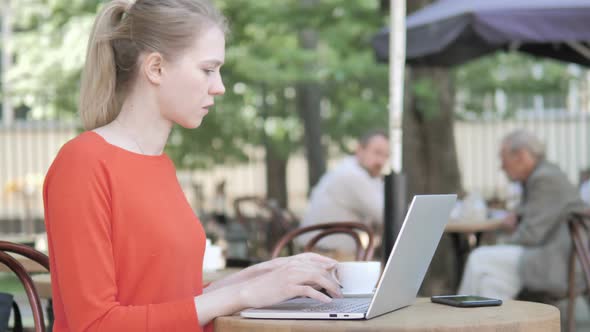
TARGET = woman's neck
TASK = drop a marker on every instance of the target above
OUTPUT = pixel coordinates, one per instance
(145, 124)
(139, 127)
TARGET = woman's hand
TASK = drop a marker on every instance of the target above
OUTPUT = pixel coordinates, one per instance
(291, 277)
(269, 283)
(268, 266)
(279, 262)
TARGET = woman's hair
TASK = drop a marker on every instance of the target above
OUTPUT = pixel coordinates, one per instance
(123, 30)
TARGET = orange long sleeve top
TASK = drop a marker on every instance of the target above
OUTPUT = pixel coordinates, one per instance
(126, 250)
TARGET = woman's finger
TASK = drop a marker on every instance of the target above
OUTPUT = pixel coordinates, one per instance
(319, 278)
(319, 258)
(302, 290)
(329, 284)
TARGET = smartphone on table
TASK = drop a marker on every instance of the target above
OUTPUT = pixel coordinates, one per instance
(465, 301)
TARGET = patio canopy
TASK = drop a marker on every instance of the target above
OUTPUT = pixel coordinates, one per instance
(451, 32)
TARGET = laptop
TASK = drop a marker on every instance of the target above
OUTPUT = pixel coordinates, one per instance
(402, 277)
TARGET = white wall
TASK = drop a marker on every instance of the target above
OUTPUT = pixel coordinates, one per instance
(28, 152)
(567, 139)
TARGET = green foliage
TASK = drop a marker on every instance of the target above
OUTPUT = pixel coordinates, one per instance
(264, 63)
(516, 74)
(49, 42)
(9, 283)
(426, 97)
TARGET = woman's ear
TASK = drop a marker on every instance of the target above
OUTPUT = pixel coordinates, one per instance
(153, 67)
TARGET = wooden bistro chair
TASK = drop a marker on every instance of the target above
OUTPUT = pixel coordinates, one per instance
(265, 221)
(23, 276)
(579, 226)
(326, 229)
(579, 229)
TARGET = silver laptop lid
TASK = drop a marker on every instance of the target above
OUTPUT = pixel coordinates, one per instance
(412, 252)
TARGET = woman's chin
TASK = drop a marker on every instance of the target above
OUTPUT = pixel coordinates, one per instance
(193, 124)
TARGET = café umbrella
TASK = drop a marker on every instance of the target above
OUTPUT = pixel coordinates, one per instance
(452, 32)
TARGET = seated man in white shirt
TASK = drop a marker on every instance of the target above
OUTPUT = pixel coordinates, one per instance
(352, 191)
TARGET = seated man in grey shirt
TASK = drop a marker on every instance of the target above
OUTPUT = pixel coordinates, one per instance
(352, 191)
(535, 253)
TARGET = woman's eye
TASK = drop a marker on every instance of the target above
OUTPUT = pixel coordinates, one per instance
(208, 71)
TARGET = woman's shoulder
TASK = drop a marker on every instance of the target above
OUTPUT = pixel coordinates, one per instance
(86, 146)
(84, 150)
(80, 158)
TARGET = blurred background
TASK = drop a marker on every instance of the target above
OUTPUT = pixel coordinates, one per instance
(303, 83)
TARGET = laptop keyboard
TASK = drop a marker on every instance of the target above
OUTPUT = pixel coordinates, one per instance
(353, 305)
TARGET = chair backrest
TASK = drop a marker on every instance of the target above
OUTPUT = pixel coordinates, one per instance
(579, 226)
(247, 208)
(350, 228)
(265, 221)
(21, 273)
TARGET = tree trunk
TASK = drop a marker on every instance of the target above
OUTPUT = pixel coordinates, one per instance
(430, 161)
(308, 100)
(276, 178)
(308, 106)
(430, 158)
(276, 165)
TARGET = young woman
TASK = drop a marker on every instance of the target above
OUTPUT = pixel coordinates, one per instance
(126, 249)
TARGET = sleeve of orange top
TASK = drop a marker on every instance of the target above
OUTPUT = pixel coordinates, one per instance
(77, 208)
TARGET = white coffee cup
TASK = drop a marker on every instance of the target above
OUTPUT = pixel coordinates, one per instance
(213, 259)
(357, 277)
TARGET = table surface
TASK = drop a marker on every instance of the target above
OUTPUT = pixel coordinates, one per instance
(455, 226)
(18, 238)
(43, 284)
(30, 265)
(514, 316)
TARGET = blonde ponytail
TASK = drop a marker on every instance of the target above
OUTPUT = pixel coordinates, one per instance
(98, 101)
(122, 31)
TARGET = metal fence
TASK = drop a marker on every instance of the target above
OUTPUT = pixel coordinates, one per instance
(565, 134)
(28, 148)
